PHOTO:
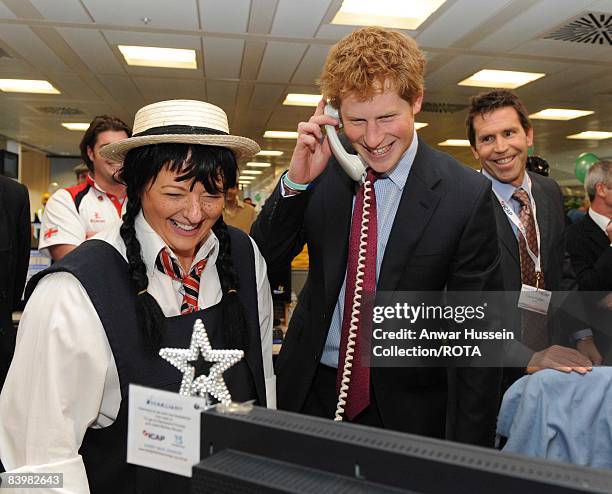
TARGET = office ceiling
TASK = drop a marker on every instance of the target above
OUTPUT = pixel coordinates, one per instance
(251, 53)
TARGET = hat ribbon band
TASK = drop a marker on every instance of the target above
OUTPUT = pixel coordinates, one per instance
(178, 129)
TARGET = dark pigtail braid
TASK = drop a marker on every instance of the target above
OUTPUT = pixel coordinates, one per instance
(150, 316)
(234, 320)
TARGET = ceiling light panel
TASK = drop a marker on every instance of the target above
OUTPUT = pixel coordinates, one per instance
(295, 99)
(267, 152)
(507, 79)
(591, 135)
(560, 114)
(257, 164)
(399, 14)
(280, 134)
(251, 172)
(152, 56)
(81, 126)
(27, 86)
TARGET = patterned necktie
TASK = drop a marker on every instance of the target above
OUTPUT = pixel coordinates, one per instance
(534, 333)
(191, 281)
(364, 288)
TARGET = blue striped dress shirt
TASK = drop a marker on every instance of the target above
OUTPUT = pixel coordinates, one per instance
(388, 190)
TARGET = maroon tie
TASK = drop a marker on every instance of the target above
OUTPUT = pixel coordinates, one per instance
(191, 281)
(533, 325)
(358, 395)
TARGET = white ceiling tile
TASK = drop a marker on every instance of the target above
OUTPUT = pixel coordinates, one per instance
(461, 18)
(23, 40)
(222, 94)
(565, 50)
(334, 31)
(6, 13)
(121, 87)
(266, 96)
(280, 61)
(73, 86)
(152, 39)
(222, 57)
(601, 6)
(214, 15)
(541, 17)
(454, 71)
(93, 49)
(298, 19)
(154, 89)
(312, 64)
(62, 10)
(178, 14)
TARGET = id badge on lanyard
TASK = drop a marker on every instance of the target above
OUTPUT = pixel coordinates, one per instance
(532, 298)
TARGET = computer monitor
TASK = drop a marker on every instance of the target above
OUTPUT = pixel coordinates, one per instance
(263, 451)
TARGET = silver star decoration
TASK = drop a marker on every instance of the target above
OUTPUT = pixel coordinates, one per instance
(203, 385)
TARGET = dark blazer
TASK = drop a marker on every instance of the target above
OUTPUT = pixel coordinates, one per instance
(555, 265)
(14, 255)
(443, 236)
(591, 255)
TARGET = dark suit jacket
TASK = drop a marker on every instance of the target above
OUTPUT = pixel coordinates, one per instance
(14, 256)
(591, 255)
(555, 266)
(443, 236)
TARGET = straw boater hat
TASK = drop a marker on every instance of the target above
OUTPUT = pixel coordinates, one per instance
(181, 121)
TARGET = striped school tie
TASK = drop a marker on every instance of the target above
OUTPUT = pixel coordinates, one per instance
(191, 281)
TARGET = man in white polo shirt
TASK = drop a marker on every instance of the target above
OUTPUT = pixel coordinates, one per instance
(74, 214)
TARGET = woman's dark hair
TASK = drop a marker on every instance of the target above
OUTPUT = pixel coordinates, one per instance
(215, 168)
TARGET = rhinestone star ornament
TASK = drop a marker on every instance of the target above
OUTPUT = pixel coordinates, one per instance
(203, 385)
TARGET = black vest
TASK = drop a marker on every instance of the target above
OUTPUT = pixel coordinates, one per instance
(104, 274)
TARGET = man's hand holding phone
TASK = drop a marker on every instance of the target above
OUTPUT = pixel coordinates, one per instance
(312, 151)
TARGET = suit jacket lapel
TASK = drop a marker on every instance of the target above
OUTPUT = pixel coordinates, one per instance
(543, 211)
(595, 233)
(417, 204)
(505, 233)
(336, 212)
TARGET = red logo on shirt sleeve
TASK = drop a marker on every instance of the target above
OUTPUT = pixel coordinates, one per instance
(51, 232)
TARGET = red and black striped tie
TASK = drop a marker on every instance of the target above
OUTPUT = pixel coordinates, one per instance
(191, 282)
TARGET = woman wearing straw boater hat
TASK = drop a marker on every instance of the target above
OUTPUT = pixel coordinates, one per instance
(96, 320)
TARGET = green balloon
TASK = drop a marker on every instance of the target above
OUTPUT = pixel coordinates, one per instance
(583, 162)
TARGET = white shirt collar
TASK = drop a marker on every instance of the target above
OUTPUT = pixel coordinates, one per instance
(505, 190)
(600, 220)
(151, 244)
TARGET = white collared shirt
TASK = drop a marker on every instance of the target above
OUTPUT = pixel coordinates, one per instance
(600, 220)
(63, 378)
(63, 223)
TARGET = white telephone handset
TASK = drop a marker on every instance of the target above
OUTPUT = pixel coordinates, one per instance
(355, 168)
(352, 164)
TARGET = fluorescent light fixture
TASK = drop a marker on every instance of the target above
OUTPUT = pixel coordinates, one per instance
(455, 142)
(400, 14)
(252, 172)
(508, 79)
(267, 152)
(420, 125)
(75, 125)
(245, 177)
(257, 164)
(280, 134)
(294, 99)
(151, 56)
(592, 135)
(27, 86)
(560, 114)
